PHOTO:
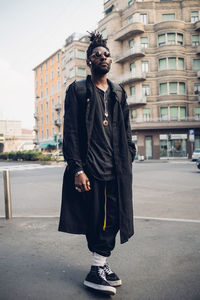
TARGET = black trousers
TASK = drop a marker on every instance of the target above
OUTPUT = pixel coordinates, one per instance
(103, 216)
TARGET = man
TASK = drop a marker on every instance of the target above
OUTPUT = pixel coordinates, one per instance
(97, 184)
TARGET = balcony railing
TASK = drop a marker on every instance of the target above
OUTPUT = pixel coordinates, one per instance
(35, 115)
(132, 76)
(57, 107)
(164, 120)
(135, 100)
(134, 52)
(135, 27)
(35, 128)
(198, 74)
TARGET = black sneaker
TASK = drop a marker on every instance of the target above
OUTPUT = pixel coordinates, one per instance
(96, 279)
(111, 277)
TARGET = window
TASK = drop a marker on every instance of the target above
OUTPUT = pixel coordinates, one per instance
(51, 61)
(163, 88)
(42, 135)
(132, 67)
(47, 133)
(52, 102)
(46, 65)
(46, 78)
(58, 56)
(58, 99)
(145, 66)
(197, 88)
(52, 75)
(145, 90)
(180, 39)
(130, 2)
(41, 69)
(41, 120)
(81, 72)
(71, 55)
(81, 54)
(164, 113)
(196, 64)
(46, 91)
(194, 16)
(53, 116)
(173, 113)
(58, 84)
(130, 19)
(71, 73)
(197, 113)
(144, 42)
(104, 33)
(146, 114)
(52, 88)
(109, 10)
(36, 84)
(171, 38)
(41, 82)
(143, 18)
(195, 40)
(53, 131)
(182, 113)
(133, 114)
(162, 64)
(47, 105)
(181, 63)
(41, 94)
(161, 39)
(131, 44)
(168, 17)
(173, 88)
(132, 90)
(182, 90)
(172, 63)
(58, 71)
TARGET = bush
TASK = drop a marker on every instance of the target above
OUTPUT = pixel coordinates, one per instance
(29, 155)
(4, 155)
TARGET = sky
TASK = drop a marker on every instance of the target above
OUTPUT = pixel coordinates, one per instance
(30, 31)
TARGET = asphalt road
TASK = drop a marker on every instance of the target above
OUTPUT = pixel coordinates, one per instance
(161, 261)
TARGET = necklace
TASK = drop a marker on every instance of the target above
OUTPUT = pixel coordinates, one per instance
(105, 99)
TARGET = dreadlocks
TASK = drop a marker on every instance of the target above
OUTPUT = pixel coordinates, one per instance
(96, 40)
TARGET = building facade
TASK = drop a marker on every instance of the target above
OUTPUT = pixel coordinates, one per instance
(155, 47)
(48, 101)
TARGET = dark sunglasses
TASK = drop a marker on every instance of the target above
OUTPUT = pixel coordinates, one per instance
(99, 54)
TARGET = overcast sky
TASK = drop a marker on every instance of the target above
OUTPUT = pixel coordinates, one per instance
(30, 31)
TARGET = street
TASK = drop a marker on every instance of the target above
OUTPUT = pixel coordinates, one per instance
(161, 261)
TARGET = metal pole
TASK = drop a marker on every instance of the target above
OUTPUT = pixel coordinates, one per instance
(7, 194)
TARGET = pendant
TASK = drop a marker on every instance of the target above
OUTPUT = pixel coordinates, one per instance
(105, 122)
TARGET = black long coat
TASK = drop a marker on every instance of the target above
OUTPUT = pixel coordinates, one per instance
(78, 123)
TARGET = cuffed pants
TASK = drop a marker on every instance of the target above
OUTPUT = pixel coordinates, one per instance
(103, 216)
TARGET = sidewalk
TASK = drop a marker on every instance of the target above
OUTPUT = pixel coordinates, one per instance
(161, 262)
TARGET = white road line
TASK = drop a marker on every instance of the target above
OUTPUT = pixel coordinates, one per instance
(27, 167)
(136, 217)
(168, 219)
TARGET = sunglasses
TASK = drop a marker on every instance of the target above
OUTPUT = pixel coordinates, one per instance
(100, 54)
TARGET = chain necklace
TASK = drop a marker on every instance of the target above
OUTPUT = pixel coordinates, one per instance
(105, 99)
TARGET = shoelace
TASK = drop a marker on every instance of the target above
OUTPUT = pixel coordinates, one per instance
(107, 269)
(101, 273)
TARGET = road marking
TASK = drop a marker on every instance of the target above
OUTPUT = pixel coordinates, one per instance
(168, 219)
(27, 167)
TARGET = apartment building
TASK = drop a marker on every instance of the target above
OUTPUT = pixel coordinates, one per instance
(48, 102)
(155, 47)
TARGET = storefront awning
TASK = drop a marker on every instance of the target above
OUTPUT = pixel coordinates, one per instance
(45, 145)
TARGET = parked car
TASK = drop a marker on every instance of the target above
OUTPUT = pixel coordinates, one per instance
(198, 163)
(196, 154)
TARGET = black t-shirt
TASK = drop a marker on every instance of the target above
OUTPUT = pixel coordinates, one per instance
(100, 160)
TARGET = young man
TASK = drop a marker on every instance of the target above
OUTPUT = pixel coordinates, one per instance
(97, 184)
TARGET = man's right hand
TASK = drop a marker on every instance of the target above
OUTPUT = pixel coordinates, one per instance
(82, 182)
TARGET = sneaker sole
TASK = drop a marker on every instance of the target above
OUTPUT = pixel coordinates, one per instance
(109, 290)
(115, 283)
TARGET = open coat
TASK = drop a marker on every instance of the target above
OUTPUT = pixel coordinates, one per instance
(78, 123)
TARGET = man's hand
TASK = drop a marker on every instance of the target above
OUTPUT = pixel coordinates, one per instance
(82, 182)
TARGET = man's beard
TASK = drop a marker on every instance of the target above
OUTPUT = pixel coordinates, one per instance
(97, 70)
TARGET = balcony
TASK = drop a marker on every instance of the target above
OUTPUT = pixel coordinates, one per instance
(57, 123)
(35, 128)
(130, 77)
(136, 100)
(197, 25)
(198, 74)
(129, 30)
(36, 115)
(173, 24)
(57, 107)
(132, 53)
(159, 123)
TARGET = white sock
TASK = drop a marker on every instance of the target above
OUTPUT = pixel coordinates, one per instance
(98, 260)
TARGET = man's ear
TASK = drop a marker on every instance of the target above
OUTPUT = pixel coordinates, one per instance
(88, 63)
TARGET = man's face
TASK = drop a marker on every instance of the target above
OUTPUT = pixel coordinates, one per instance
(100, 61)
